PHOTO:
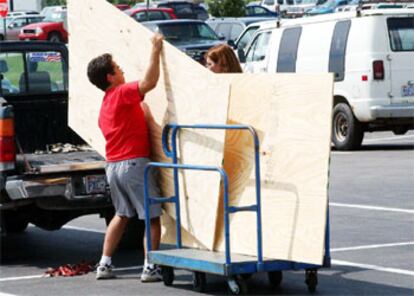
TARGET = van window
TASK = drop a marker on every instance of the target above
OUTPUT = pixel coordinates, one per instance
(258, 48)
(401, 32)
(338, 49)
(288, 50)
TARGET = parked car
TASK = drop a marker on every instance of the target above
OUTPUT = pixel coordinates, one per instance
(288, 8)
(371, 56)
(298, 10)
(151, 14)
(259, 11)
(123, 6)
(21, 13)
(194, 37)
(14, 25)
(52, 28)
(50, 9)
(328, 7)
(184, 9)
(229, 28)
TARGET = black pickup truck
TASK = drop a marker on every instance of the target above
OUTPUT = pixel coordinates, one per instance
(48, 175)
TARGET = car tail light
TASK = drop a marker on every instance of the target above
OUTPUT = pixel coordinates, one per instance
(7, 135)
(378, 69)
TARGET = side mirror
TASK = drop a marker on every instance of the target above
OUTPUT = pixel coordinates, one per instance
(231, 43)
(221, 37)
(241, 55)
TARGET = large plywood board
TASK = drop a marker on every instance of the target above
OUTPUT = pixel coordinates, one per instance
(187, 93)
(292, 115)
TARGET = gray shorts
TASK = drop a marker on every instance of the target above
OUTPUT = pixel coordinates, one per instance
(126, 181)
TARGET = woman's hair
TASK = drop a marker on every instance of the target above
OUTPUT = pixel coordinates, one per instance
(224, 56)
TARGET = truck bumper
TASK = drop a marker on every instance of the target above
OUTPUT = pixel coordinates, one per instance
(65, 191)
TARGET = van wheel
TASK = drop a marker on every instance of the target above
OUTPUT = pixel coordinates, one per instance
(347, 132)
(54, 37)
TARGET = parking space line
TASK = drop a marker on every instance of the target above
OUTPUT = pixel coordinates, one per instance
(18, 278)
(374, 267)
(371, 247)
(29, 277)
(373, 208)
(83, 229)
(394, 138)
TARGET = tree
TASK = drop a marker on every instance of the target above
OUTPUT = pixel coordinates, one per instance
(53, 2)
(223, 8)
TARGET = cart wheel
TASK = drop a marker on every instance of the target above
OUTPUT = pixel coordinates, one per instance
(237, 286)
(311, 279)
(275, 277)
(199, 281)
(167, 275)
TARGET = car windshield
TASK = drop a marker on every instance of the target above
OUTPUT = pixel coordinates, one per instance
(329, 4)
(187, 31)
(55, 17)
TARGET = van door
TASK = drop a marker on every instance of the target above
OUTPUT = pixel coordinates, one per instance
(401, 35)
(257, 58)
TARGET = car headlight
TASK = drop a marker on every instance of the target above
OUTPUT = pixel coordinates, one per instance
(38, 31)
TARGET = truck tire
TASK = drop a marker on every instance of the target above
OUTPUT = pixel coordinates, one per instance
(347, 131)
(54, 37)
(1, 37)
(12, 222)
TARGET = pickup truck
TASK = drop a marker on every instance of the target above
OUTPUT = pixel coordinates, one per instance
(48, 175)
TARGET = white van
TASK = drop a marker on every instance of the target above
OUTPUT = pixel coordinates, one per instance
(372, 56)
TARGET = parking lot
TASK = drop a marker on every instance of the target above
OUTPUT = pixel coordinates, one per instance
(372, 239)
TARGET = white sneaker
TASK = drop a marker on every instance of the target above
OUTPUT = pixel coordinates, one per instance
(104, 272)
(151, 273)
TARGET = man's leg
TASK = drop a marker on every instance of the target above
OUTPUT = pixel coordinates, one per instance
(112, 237)
(155, 225)
(114, 234)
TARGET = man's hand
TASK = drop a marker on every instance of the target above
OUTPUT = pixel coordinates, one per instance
(157, 42)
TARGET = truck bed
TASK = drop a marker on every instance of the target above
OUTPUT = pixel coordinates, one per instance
(61, 162)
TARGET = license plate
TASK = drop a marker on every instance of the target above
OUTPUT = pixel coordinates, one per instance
(95, 184)
(407, 90)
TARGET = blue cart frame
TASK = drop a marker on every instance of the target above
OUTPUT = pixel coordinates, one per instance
(235, 267)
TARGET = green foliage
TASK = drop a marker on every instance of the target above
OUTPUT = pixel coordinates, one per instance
(226, 8)
(53, 2)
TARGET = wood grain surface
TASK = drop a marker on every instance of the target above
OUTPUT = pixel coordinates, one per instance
(187, 93)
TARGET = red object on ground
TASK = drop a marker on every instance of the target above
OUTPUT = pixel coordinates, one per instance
(71, 270)
(4, 8)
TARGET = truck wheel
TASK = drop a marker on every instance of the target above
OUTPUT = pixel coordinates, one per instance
(1, 37)
(12, 222)
(54, 37)
(347, 131)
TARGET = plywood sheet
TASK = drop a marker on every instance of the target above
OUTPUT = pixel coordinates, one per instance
(292, 115)
(187, 93)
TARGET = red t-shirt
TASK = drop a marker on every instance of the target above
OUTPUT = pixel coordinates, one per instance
(122, 122)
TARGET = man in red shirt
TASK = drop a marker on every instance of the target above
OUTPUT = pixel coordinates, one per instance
(122, 122)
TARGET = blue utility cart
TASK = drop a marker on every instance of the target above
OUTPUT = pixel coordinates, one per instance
(236, 268)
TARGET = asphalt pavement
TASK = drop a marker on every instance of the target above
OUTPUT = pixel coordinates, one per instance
(371, 196)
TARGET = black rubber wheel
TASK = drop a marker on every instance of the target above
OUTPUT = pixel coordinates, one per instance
(311, 280)
(237, 286)
(54, 37)
(347, 131)
(1, 37)
(275, 277)
(199, 281)
(167, 275)
(13, 222)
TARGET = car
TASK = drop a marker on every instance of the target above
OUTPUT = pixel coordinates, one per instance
(153, 14)
(194, 37)
(122, 6)
(182, 9)
(371, 56)
(14, 25)
(21, 13)
(253, 10)
(229, 28)
(328, 7)
(52, 28)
